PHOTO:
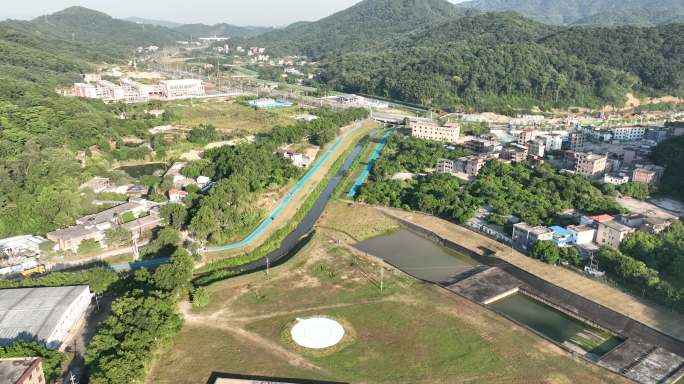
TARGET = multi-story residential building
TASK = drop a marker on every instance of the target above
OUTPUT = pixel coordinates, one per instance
(598, 135)
(634, 220)
(577, 140)
(629, 155)
(525, 236)
(629, 133)
(552, 142)
(523, 137)
(581, 234)
(483, 146)
(649, 174)
(179, 89)
(109, 91)
(446, 166)
(537, 148)
(590, 164)
(428, 129)
(612, 233)
(515, 153)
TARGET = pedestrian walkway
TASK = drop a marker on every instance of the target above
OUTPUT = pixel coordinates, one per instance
(366, 171)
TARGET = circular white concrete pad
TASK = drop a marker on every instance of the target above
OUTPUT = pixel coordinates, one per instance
(317, 333)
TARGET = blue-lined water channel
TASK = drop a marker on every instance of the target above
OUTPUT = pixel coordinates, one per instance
(430, 261)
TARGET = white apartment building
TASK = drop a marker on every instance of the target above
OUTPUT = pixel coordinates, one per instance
(552, 142)
(429, 130)
(616, 180)
(179, 89)
(628, 133)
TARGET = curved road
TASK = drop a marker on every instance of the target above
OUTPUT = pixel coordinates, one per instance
(278, 210)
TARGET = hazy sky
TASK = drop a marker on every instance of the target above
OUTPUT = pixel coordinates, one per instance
(240, 12)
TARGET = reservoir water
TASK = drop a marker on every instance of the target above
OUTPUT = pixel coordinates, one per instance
(556, 325)
(416, 255)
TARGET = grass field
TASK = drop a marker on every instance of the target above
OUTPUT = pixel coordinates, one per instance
(411, 332)
(229, 115)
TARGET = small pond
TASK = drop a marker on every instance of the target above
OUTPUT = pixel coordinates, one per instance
(417, 255)
(136, 171)
(556, 325)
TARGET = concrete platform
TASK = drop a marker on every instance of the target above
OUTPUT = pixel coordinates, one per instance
(656, 367)
(487, 286)
(625, 355)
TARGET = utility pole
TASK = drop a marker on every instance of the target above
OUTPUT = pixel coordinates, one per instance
(382, 278)
(268, 265)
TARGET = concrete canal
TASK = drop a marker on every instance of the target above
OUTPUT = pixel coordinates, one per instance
(602, 336)
(556, 325)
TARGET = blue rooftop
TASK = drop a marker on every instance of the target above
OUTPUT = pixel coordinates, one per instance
(560, 231)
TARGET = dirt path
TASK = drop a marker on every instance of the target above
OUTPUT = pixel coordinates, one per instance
(308, 309)
(256, 339)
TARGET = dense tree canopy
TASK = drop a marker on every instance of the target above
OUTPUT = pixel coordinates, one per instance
(670, 154)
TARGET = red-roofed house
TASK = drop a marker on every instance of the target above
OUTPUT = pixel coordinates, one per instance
(602, 218)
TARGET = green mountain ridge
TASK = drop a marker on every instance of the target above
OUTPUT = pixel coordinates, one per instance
(588, 12)
(222, 29)
(498, 61)
(370, 24)
(95, 29)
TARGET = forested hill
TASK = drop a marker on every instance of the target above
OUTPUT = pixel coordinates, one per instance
(96, 30)
(595, 12)
(222, 29)
(41, 132)
(370, 24)
(504, 62)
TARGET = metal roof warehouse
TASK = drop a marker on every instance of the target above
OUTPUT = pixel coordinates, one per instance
(46, 315)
